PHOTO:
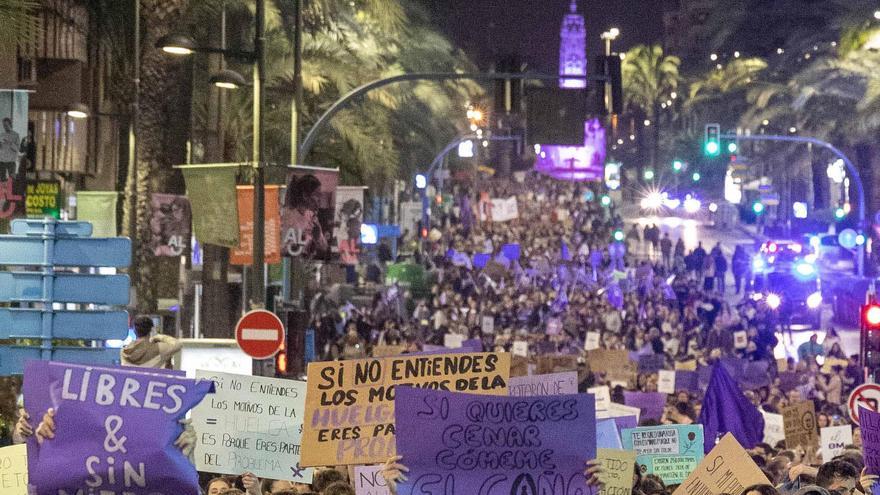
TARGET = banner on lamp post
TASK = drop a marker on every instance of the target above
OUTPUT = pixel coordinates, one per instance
(243, 254)
(169, 224)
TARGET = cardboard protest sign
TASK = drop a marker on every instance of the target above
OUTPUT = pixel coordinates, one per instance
(520, 348)
(591, 341)
(690, 365)
(368, 480)
(251, 423)
(727, 468)
(388, 350)
(651, 404)
(115, 429)
(556, 363)
(607, 434)
(800, 425)
(666, 382)
(670, 451)
(830, 363)
(774, 428)
(651, 363)
(869, 422)
(833, 439)
(617, 471)
(539, 385)
(350, 404)
(471, 442)
(519, 366)
(616, 364)
(13, 470)
(603, 397)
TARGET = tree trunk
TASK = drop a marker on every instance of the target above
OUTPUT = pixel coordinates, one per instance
(162, 134)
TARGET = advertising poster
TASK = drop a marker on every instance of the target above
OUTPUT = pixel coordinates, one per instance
(13, 144)
(243, 254)
(43, 199)
(671, 452)
(307, 216)
(349, 214)
(350, 404)
(448, 440)
(169, 224)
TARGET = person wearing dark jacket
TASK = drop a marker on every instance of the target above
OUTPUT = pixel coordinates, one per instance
(740, 268)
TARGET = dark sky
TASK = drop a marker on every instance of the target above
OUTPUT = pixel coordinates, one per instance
(530, 28)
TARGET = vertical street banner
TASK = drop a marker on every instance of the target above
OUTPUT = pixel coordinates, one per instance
(99, 209)
(13, 470)
(468, 443)
(115, 429)
(43, 199)
(211, 193)
(350, 404)
(13, 139)
(251, 423)
(670, 451)
(349, 214)
(307, 213)
(169, 224)
(243, 254)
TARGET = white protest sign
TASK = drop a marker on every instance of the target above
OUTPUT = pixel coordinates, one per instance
(549, 384)
(666, 381)
(740, 339)
(453, 340)
(251, 423)
(591, 342)
(368, 480)
(603, 397)
(225, 359)
(616, 410)
(504, 209)
(488, 324)
(13, 470)
(833, 439)
(774, 428)
(521, 348)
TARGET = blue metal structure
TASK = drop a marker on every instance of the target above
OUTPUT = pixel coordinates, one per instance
(41, 284)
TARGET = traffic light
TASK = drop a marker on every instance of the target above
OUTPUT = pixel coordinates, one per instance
(619, 235)
(732, 147)
(871, 316)
(605, 200)
(839, 213)
(712, 141)
(758, 207)
(870, 336)
(677, 165)
(696, 177)
(649, 174)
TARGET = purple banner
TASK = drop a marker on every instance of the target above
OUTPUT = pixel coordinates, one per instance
(869, 421)
(115, 429)
(650, 403)
(461, 443)
(169, 224)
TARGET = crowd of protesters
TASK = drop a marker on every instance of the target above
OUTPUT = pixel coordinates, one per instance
(643, 291)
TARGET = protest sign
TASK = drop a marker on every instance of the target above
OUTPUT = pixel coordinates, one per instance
(666, 381)
(488, 324)
(350, 404)
(603, 397)
(616, 410)
(727, 468)
(671, 451)
(368, 480)
(740, 339)
(774, 429)
(833, 439)
(388, 350)
(830, 363)
(453, 340)
(607, 434)
(520, 366)
(690, 365)
(591, 342)
(687, 380)
(251, 423)
(869, 423)
(130, 418)
(651, 404)
(537, 385)
(13, 470)
(617, 471)
(616, 364)
(800, 425)
(472, 442)
(651, 363)
(555, 363)
(520, 348)
(504, 210)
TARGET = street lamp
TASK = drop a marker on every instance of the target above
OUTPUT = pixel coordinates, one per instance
(608, 37)
(77, 111)
(179, 44)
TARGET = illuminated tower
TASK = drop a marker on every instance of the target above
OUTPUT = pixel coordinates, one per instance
(573, 49)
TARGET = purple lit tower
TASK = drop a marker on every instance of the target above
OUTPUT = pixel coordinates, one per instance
(575, 163)
(573, 49)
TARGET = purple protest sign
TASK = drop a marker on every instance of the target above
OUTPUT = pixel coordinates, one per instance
(650, 403)
(115, 429)
(624, 422)
(687, 380)
(869, 422)
(651, 363)
(462, 443)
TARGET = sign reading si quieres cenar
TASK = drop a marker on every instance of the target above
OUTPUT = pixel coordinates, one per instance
(349, 415)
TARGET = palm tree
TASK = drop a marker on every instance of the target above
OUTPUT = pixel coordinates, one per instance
(18, 22)
(649, 78)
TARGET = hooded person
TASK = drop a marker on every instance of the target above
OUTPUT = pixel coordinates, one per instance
(149, 351)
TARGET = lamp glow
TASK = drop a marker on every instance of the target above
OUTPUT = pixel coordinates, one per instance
(773, 301)
(814, 300)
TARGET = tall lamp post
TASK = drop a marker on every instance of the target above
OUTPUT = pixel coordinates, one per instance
(177, 44)
(608, 37)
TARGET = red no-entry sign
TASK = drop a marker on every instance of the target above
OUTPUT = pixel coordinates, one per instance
(259, 333)
(865, 395)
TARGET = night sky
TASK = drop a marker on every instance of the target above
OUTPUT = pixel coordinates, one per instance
(530, 28)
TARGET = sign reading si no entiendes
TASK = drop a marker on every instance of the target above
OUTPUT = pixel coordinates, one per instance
(251, 423)
(727, 468)
(350, 404)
